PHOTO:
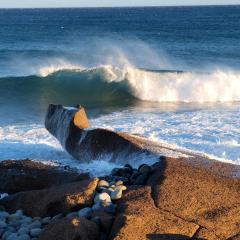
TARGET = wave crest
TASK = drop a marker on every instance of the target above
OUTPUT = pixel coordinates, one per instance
(109, 84)
(168, 86)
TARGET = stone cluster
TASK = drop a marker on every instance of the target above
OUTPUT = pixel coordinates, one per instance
(109, 189)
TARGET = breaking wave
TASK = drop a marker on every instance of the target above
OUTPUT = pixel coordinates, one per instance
(109, 84)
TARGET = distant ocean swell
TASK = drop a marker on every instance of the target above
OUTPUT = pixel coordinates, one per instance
(114, 85)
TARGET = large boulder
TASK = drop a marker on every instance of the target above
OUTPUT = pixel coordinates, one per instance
(71, 229)
(64, 123)
(198, 194)
(24, 175)
(140, 219)
(49, 202)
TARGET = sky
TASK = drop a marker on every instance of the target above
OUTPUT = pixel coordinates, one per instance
(108, 3)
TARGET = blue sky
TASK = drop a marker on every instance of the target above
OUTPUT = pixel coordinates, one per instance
(110, 3)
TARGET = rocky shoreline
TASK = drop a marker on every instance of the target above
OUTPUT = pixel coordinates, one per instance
(171, 199)
(185, 196)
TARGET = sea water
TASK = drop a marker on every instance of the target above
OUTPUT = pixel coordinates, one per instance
(171, 74)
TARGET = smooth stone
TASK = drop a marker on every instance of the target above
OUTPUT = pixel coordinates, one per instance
(102, 197)
(26, 220)
(35, 224)
(3, 224)
(11, 229)
(15, 224)
(35, 232)
(3, 195)
(46, 220)
(105, 207)
(19, 213)
(4, 214)
(12, 236)
(97, 207)
(23, 230)
(124, 179)
(117, 194)
(128, 166)
(24, 237)
(96, 219)
(141, 179)
(58, 216)
(6, 234)
(106, 190)
(144, 168)
(121, 187)
(118, 183)
(72, 214)
(111, 208)
(85, 212)
(13, 217)
(103, 183)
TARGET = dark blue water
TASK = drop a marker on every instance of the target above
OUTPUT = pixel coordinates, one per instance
(166, 67)
(189, 36)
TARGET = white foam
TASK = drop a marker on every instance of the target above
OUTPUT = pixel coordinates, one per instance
(217, 86)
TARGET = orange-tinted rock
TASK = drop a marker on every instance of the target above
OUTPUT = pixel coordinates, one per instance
(197, 194)
(139, 219)
(81, 120)
(71, 229)
(51, 201)
(24, 175)
(203, 233)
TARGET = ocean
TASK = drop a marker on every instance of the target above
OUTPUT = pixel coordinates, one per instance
(171, 74)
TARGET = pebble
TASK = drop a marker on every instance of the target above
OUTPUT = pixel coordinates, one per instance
(58, 216)
(119, 183)
(102, 197)
(12, 236)
(72, 215)
(24, 237)
(13, 217)
(103, 183)
(144, 168)
(35, 232)
(35, 224)
(46, 220)
(85, 212)
(3, 224)
(117, 194)
(96, 219)
(4, 215)
(121, 187)
(23, 230)
(6, 234)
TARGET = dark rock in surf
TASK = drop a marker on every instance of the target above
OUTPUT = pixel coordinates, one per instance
(68, 126)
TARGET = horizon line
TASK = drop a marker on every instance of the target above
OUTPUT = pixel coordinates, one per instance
(143, 6)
